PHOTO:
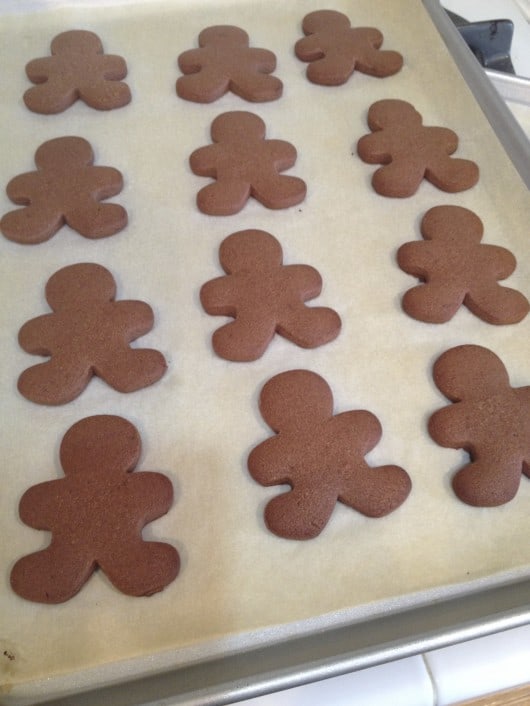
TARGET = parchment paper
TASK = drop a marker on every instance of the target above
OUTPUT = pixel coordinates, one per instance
(239, 584)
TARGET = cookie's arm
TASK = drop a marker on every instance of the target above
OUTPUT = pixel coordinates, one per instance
(449, 426)
(38, 70)
(103, 182)
(191, 61)
(269, 465)
(262, 60)
(375, 147)
(415, 258)
(304, 280)
(132, 318)
(113, 67)
(309, 48)
(38, 505)
(203, 161)
(220, 296)
(283, 153)
(150, 495)
(36, 336)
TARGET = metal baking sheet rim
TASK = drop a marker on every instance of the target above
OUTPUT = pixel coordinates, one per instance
(487, 95)
(395, 635)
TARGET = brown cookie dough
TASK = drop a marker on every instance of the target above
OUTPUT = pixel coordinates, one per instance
(77, 69)
(336, 49)
(245, 164)
(458, 269)
(264, 297)
(87, 334)
(321, 456)
(225, 62)
(96, 514)
(489, 419)
(411, 152)
(65, 189)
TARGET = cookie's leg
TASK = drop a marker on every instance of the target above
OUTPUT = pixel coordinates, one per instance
(331, 70)
(309, 327)
(52, 575)
(223, 198)
(203, 86)
(301, 513)
(435, 302)
(380, 63)
(488, 482)
(279, 191)
(54, 382)
(93, 219)
(244, 339)
(399, 179)
(30, 225)
(139, 568)
(256, 86)
(453, 175)
(375, 491)
(497, 305)
(130, 369)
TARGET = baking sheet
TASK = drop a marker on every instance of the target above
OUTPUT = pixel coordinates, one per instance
(240, 587)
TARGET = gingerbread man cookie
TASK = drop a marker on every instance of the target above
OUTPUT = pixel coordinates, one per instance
(264, 296)
(458, 269)
(335, 49)
(87, 334)
(96, 514)
(225, 62)
(77, 69)
(411, 152)
(65, 189)
(321, 456)
(245, 164)
(489, 419)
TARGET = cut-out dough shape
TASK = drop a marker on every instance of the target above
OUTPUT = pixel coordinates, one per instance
(76, 69)
(96, 514)
(244, 164)
(65, 189)
(265, 297)
(87, 334)
(411, 152)
(488, 418)
(459, 270)
(225, 62)
(336, 49)
(321, 456)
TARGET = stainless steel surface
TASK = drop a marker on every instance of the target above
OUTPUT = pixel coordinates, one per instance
(511, 88)
(501, 119)
(327, 654)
